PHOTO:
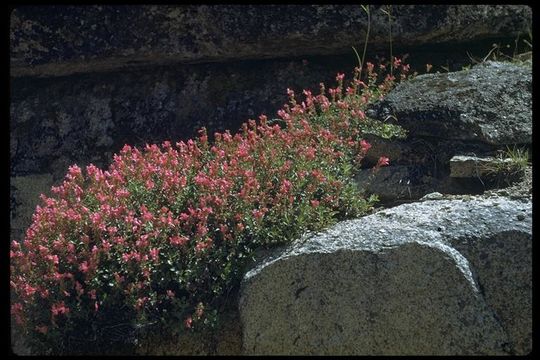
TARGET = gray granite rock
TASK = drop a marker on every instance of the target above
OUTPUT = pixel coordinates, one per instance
(491, 103)
(62, 40)
(429, 278)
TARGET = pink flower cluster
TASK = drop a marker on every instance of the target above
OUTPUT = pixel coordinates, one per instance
(164, 226)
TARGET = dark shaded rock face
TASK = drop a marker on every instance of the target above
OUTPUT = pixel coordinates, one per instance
(86, 118)
(60, 40)
(491, 103)
(474, 112)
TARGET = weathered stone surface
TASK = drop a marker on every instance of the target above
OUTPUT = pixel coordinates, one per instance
(472, 166)
(24, 196)
(57, 122)
(61, 40)
(494, 234)
(432, 196)
(424, 278)
(492, 103)
(395, 149)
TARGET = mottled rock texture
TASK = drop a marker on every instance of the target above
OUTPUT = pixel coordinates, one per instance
(61, 40)
(88, 117)
(24, 196)
(490, 103)
(472, 166)
(430, 278)
(471, 113)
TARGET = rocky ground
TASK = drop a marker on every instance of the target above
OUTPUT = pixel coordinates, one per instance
(518, 189)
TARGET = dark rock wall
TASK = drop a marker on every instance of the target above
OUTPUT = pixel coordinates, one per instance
(58, 40)
(85, 118)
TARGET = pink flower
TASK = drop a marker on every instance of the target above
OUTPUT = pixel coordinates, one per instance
(369, 67)
(149, 184)
(74, 171)
(383, 161)
(154, 254)
(188, 322)
(146, 215)
(358, 113)
(84, 267)
(318, 175)
(310, 153)
(258, 214)
(140, 302)
(16, 308)
(202, 230)
(29, 290)
(202, 245)
(59, 309)
(112, 230)
(282, 114)
(106, 246)
(203, 180)
(17, 312)
(285, 186)
(224, 229)
(342, 104)
(365, 146)
(178, 240)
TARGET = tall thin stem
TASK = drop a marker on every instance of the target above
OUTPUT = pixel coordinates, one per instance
(361, 60)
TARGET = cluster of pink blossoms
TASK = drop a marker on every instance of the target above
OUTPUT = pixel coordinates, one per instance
(167, 226)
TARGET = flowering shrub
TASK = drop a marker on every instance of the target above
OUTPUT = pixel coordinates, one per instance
(166, 232)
